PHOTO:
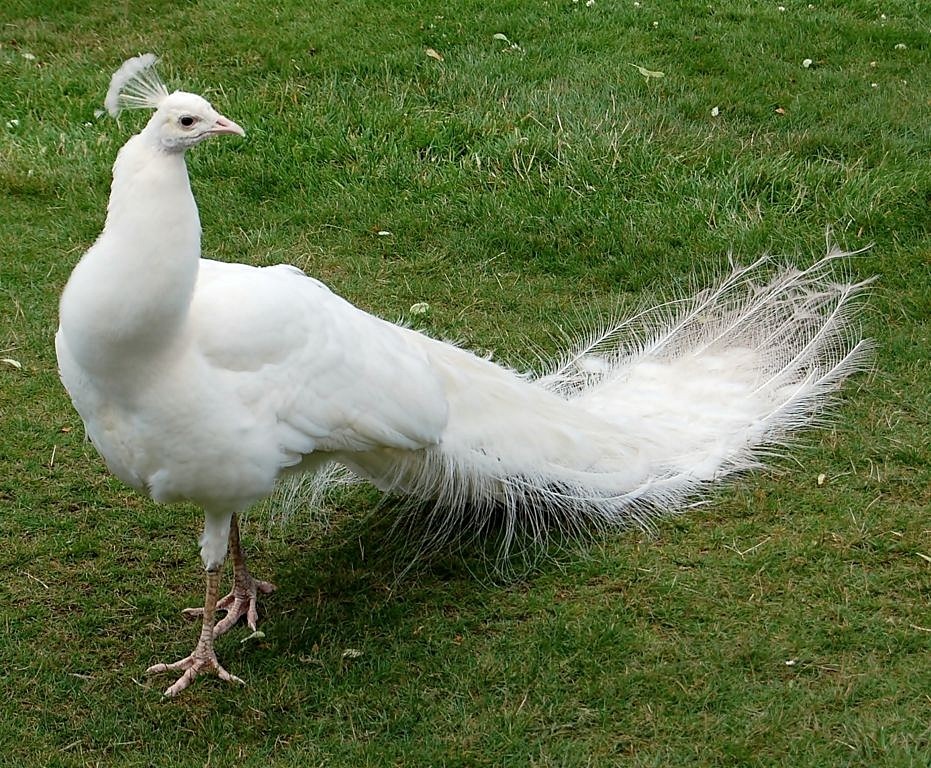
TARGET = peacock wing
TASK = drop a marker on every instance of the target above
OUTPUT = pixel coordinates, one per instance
(343, 379)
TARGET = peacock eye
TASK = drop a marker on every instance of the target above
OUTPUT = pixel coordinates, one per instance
(187, 121)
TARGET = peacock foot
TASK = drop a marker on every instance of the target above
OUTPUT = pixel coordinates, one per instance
(241, 601)
(202, 661)
(244, 597)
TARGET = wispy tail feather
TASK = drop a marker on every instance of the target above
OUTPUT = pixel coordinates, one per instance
(634, 421)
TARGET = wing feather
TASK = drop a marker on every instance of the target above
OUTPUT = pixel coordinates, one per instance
(343, 379)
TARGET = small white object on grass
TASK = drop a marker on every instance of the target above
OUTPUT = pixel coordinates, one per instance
(648, 73)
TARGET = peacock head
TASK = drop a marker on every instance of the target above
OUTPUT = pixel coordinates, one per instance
(185, 119)
(181, 120)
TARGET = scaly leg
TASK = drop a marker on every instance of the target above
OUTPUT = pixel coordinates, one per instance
(203, 658)
(243, 599)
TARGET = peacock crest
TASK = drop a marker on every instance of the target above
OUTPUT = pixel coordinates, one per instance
(136, 85)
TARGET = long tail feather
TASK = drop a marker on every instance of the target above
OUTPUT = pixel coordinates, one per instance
(636, 420)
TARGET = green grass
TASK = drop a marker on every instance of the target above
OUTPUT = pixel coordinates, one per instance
(786, 623)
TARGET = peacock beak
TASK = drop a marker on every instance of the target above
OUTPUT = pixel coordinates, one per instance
(225, 125)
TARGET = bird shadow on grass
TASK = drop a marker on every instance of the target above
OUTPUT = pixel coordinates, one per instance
(368, 577)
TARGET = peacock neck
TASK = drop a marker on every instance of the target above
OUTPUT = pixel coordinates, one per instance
(129, 296)
(150, 193)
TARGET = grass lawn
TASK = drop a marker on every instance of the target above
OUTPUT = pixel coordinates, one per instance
(530, 178)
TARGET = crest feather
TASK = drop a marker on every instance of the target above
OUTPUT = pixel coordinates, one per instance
(135, 85)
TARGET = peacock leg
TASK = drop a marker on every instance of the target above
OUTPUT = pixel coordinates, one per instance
(203, 658)
(243, 599)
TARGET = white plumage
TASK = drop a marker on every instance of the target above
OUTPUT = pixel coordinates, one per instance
(204, 381)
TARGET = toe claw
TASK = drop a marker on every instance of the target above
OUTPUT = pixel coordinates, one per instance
(180, 684)
(228, 677)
